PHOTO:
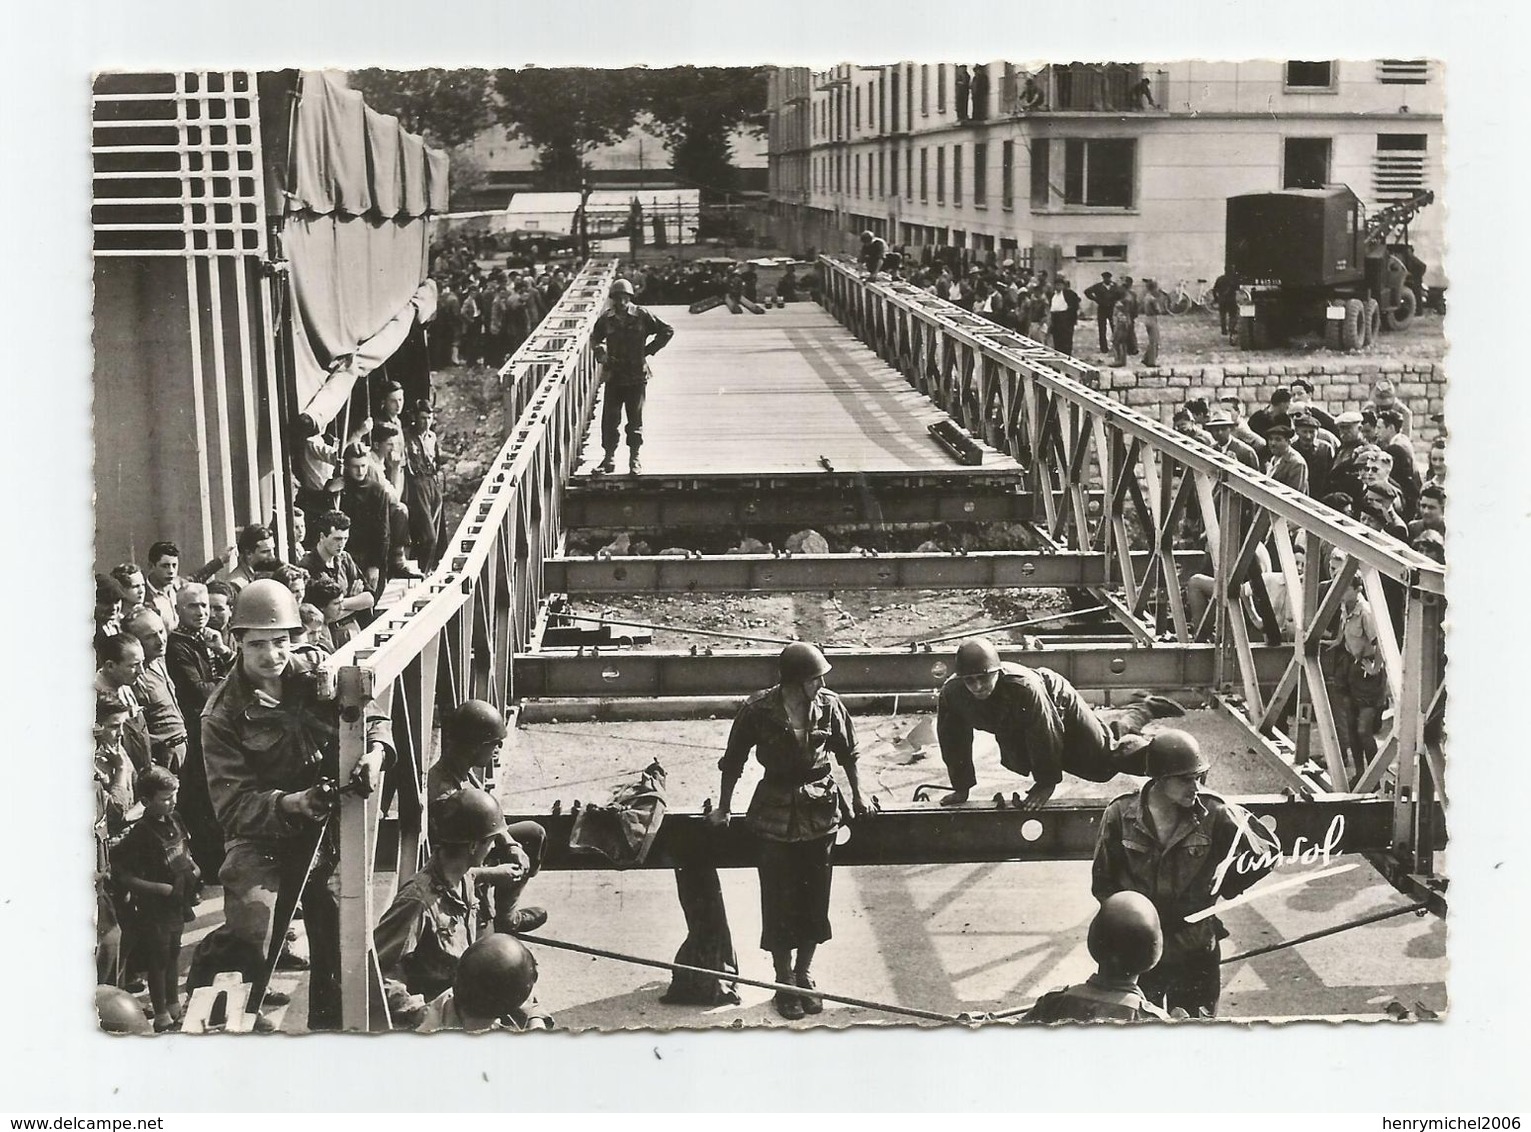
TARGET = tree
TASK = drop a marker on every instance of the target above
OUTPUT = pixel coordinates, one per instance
(566, 112)
(448, 107)
(695, 109)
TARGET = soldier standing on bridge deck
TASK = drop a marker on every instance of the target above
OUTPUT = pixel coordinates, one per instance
(1181, 846)
(268, 740)
(625, 336)
(1041, 722)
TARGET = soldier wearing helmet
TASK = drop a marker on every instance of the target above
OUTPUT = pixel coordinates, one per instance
(1125, 940)
(1182, 847)
(268, 740)
(432, 922)
(625, 337)
(1042, 724)
(794, 728)
(494, 979)
(471, 739)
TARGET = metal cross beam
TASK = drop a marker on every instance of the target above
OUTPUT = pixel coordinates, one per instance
(733, 573)
(1089, 667)
(640, 506)
(977, 832)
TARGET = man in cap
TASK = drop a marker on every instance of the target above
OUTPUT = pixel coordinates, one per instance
(1181, 846)
(1384, 396)
(1315, 451)
(625, 337)
(1221, 425)
(271, 744)
(1302, 402)
(1103, 295)
(1345, 470)
(1284, 463)
(1125, 940)
(1041, 723)
(1234, 407)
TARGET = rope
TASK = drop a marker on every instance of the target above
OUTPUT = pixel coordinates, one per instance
(907, 1011)
(673, 628)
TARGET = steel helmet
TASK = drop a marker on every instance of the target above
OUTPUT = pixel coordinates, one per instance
(1174, 752)
(266, 604)
(494, 976)
(467, 817)
(1125, 934)
(977, 655)
(620, 287)
(119, 1012)
(800, 662)
(476, 721)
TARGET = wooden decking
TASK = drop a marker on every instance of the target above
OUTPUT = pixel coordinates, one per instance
(780, 393)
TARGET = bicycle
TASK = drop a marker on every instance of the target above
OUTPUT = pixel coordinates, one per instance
(1183, 300)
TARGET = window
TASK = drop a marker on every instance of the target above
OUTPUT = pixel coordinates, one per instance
(1399, 172)
(925, 89)
(909, 173)
(893, 175)
(882, 174)
(980, 173)
(1302, 75)
(856, 98)
(1112, 253)
(1041, 173)
(940, 88)
(882, 109)
(956, 174)
(1403, 72)
(940, 174)
(909, 97)
(1099, 172)
(924, 171)
(856, 173)
(1007, 175)
(893, 102)
(1306, 164)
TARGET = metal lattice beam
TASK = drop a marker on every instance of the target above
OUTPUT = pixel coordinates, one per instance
(644, 507)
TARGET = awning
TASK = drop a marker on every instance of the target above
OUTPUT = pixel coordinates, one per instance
(335, 391)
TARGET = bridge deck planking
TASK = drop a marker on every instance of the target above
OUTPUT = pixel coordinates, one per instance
(776, 393)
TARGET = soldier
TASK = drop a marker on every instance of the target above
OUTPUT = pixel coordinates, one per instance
(1042, 724)
(494, 979)
(270, 742)
(1177, 844)
(624, 338)
(1125, 940)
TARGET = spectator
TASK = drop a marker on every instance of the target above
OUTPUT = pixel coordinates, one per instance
(1436, 469)
(1278, 411)
(108, 611)
(152, 863)
(122, 663)
(1316, 452)
(220, 606)
(387, 440)
(873, 249)
(113, 779)
(162, 579)
(447, 327)
(1379, 510)
(1302, 402)
(379, 523)
(424, 486)
(1103, 295)
(1340, 502)
(131, 580)
(1153, 307)
(1063, 313)
(1225, 291)
(1348, 466)
(162, 711)
(255, 548)
(1129, 304)
(1358, 687)
(1430, 512)
(330, 559)
(1285, 464)
(1142, 93)
(1032, 97)
(1241, 430)
(315, 631)
(295, 578)
(1220, 425)
(197, 658)
(1404, 474)
(1384, 396)
(1431, 544)
(316, 462)
(340, 625)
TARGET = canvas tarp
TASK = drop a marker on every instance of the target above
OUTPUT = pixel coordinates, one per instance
(357, 240)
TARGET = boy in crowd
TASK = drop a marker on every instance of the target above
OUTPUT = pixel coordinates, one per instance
(339, 626)
(153, 864)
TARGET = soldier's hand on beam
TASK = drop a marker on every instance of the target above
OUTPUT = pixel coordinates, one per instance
(313, 803)
(368, 774)
(1037, 796)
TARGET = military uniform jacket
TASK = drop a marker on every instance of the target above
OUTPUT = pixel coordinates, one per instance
(255, 752)
(626, 336)
(797, 800)
(1097, 999)
(1035, 714)
(422, 936)
(1179, 874)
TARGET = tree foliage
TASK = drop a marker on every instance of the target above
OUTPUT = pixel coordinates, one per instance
(449, 107)
(567, 112)
(696, 109)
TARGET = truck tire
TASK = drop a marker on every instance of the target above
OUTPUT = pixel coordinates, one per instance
(1350, 329)
(1398, 317)
(1373, 320)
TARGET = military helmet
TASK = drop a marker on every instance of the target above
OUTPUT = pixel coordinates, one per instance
(266, 604)
(476, 721)
(119, 1012)
(976, 656)
(620, 287)
(800, 662)
(466, 818)
(1125, 934)
(494, 976)
(1174, 753)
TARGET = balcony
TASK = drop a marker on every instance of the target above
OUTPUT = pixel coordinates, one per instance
(1085, 88)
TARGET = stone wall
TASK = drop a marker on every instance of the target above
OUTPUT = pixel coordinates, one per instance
(1337, 387)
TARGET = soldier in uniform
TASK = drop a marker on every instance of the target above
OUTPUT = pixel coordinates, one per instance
(1041, 722)
(494, 979)
(271, 746)
(1181, 846)
(1125, 940)
(625, 337)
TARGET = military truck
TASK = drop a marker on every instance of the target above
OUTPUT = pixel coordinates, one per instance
(1315, 261)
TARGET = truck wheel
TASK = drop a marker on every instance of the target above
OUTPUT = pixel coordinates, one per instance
(1398, 317)
(1373, 320)
(1350, 329)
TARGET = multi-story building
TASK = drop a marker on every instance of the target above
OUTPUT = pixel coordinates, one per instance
(1121, 166)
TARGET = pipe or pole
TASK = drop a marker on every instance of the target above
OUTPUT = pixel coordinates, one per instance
(1375, 917)
(1014, 625)
(670, 628)
(908, 1011)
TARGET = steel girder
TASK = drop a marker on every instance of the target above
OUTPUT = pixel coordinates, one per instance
(644, 507)
(930, 834)
(732, 573)
(1089, 667)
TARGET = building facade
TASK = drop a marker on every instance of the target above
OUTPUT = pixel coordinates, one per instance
(1122, 167)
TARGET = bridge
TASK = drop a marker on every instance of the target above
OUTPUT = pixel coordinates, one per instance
(834, 416)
